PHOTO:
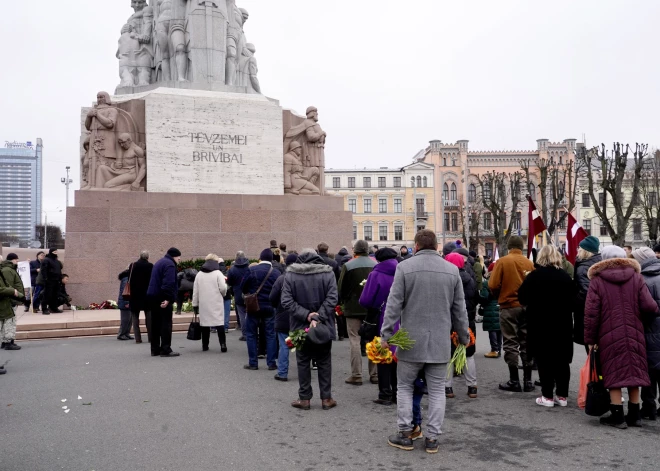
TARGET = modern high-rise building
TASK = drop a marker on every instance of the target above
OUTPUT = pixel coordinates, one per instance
(20, 188)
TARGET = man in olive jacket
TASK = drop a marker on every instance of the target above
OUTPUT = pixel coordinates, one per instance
(11, 288)
(427, 299)
(350, 285)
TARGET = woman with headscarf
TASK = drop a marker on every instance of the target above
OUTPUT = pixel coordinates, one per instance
(618, 299)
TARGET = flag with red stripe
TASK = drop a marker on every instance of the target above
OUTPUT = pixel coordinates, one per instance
(574, 235)
(536, 226)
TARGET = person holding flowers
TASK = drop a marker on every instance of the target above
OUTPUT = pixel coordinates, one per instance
(427, 300)
(309, 295)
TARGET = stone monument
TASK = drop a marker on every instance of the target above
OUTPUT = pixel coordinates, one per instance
(190, 153)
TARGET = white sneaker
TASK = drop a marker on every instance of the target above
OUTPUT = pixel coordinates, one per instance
(561, 401)
(542, 401)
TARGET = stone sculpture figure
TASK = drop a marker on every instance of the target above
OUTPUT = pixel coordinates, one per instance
(249, 70)
(312, 138)
(84, 159)
(135, 52)
(171, 40)
(128, 168)
(299, 179)
(235, 41)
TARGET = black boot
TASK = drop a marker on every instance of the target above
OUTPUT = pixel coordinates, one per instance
(634, 417)
(513, 384)
(616, 418)
(12, 346)
(649, 411)
(528, 385)
(223, 339)
(4, 344)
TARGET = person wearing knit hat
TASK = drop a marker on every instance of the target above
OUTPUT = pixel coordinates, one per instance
(588, 255)
(174, 252)
(643, 254)
(613, 251)
(260, 281)
(510, 272)
(162, 293)
(385, 254)
(448, 248)
(656, 250)
(590, 244)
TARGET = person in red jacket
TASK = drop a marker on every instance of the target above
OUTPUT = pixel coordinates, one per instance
(617, 299)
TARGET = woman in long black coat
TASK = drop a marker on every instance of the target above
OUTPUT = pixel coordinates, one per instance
(140, 274)
(548, 294)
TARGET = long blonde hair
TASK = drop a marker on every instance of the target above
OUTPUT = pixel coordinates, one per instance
(549, 256)
(584, 254)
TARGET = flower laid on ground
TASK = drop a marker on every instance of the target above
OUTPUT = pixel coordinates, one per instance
(109, 304)
(339, 310)
(377, 353)
(454, 338)
(296, 339)
(458, 361)
(364, 282)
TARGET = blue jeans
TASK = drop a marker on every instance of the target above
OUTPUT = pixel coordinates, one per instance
(283, 357)
(251, 336)
(417, 402)
(495, 337)
(227, 313)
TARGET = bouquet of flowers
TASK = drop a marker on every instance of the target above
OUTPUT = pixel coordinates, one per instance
(109, 304)
(454, 338)
(339, 310)
(378, 354)
(459, 359)
(296, 339)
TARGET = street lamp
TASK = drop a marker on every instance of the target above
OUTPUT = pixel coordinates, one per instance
(67, 181)
(57, 210)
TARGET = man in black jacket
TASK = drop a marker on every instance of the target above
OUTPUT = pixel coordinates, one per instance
(161, 294)
(35, 268)
(139, 277)
(235, 277)
(51, 273)
(322, 249)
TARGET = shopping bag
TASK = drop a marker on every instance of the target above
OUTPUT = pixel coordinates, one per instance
(195, 330)
(584, 382)
(598, 398)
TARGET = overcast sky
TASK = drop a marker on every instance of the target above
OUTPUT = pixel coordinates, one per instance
(387, 76)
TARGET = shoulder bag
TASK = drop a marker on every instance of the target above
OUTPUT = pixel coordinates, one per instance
(252, 300)
(598, 398)
(126, 293)
(195, 329)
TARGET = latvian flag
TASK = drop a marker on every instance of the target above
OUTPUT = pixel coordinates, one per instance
(574, 236)
(536, 226)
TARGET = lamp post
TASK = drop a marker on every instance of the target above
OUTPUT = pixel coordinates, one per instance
(67, 181)
(46, 226)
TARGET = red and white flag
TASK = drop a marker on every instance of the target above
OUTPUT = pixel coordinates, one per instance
(496, 257)
(536, 226)
(574, 236)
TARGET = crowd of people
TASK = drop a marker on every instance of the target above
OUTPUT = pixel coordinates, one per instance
(534, 310)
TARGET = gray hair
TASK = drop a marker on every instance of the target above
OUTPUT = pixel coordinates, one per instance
(144, 255)
(240, 254)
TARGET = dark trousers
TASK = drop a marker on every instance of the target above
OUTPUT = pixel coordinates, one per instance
(135, 314)
(554, 373)
(261, 338)
(206, 336)
(124, 323)
(37, 294)
(269, 337)
(161, 329)
(387, 381)
(342, 329)
(650, 393)
(323, 357)
(49, 299)
(495, 337)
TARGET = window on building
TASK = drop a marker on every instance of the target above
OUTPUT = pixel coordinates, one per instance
(398, 232)
(637, 229)
(367, 205)
(586, 200)
(586, 224)
(653, 198)
(454, 222)
(351, 182)
(517, 190)
(445, 192)
(532, 191)
(472, 219)
(447, 226)
(366, 182)
(601, 199)
(453, 194)
(486, 192)
(516, 221)
(488, 221)
(368, 233)
(472, 193)
(419, 182)
(397, 182)
(398, 205)
(561, 190)
(381, 182)
(444, 161)
(489, 249)
(336, 182)
(352, 205)
(425, 182)
(412, 182)
(562, 220)
(420, 206)
(603, 229)
(355, 236)
(382, 232)
(382, 205)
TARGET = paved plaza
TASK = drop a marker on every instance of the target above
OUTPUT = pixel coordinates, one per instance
(203, 411)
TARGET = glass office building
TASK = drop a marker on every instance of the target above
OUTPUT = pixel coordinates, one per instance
(20, 188)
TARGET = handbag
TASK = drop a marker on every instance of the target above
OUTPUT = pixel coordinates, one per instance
(584, 382)
(252, 300)
(126, 293)
(598, 398)
(195, 329)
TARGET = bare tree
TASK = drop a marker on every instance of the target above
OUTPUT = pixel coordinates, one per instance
(611, 170)
(544, 166)
(563, 192)
(649, 191)
(501, 193)
(470, 215)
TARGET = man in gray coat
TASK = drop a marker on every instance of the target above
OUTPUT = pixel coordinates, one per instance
(427, 298)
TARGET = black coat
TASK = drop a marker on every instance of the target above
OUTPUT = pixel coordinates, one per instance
(331, 263)
(34, 266)
(224, 271)
(51, 270)
(547, 292)
(140, 283)
(281, 314)
(235, 277)
(581, 289)
(470, 291)
(651, 274)
(340, 255)
(256, 275)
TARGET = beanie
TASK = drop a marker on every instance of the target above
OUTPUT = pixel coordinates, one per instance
(12, 256)
(385, 254)
(174, 252)
(473, 254)
(656, 249)
(515, 242)
(462, 251)
(613, 251)
(291, 259)
(456, 259)
(642, 254)
(266, 255)
(449, 248)
(590, 244)
(52, 250)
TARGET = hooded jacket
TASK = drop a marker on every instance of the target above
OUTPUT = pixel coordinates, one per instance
(13, 279)
(331, 263)
(235, 277)
(208, 291)
(340, 256)
(6, 295)
(51, 269)
(582, 288)
(310, 286)
(617, 299)
(375, 292)
(651, 274)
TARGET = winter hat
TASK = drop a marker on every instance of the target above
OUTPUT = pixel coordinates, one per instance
(291, 259)
(266, 255)
(473, 254)
(361, 247)
(462, 251)
(385, 254)
(591, 244)
(456, 259)
(642, 254)
(459, 244)
(174, 252)
(656, 249)
(52, 250)
(515, 242)
(12, 256)
(612, 251)
(449, 248)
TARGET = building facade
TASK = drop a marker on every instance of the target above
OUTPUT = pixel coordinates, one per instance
(21, 189)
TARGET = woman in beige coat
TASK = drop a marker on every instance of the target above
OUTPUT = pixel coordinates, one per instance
(210, 287)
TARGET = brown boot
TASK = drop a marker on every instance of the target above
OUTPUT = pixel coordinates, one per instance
(301, 404)
(354, 380)
(328, 404)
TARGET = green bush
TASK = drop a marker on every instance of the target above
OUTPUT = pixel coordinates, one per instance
(198, 262)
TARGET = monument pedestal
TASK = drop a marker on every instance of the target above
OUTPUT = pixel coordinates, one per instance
(107, 230)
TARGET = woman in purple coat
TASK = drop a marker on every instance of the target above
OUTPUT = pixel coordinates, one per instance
(616, 302)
